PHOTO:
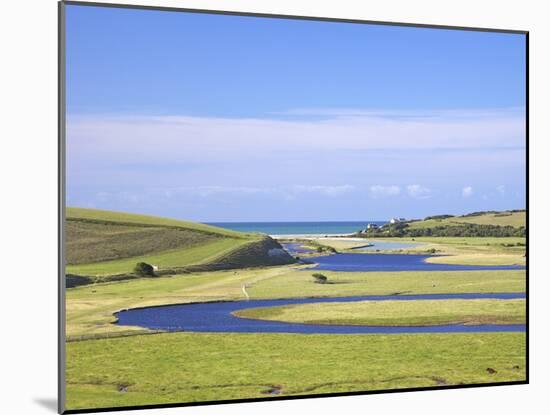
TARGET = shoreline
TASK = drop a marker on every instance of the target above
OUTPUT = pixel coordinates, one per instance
(315, 236)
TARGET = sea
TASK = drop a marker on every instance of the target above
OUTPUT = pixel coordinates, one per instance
(298, 228)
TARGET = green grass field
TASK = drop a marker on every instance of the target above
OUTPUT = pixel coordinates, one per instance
(110, 365)
(515, 219)
(396, 313)
(301, 284)
(191, 367)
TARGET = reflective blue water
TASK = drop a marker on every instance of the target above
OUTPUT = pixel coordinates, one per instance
(387, 246)
(217, 317)
(296, 248)
(394, 262)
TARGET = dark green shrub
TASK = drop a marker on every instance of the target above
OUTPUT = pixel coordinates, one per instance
(319, 278)
(144, 270)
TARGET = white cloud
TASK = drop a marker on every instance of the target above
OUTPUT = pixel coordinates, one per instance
(378, 191)
(285, 192)
(406, 114)
(205, 191)
(501, 189)
(324, 190)
(418, 192)
(467, 191)
(185, 138)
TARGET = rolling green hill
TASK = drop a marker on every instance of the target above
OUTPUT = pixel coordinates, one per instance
(104, 245)
(515, 219)
(510, 223)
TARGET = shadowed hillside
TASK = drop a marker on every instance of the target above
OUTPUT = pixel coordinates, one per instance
(106, 246)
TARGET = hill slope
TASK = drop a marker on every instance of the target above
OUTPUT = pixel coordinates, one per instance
(477, 224)
(514, 219)
(104, 243)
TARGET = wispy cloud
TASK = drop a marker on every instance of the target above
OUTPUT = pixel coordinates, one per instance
(444, 114)
(206, 191)
(180, 138)
(467, 191)
(501, 189)
(331, 191)
(283, 191)
(418, 192)
(378, 191)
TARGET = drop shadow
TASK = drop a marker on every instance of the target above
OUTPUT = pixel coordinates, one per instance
(48, 403)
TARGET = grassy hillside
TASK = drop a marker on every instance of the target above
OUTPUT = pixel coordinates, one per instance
(105, 243)
(97, 215)
(515, 219)
(478, 224)
(508, 218)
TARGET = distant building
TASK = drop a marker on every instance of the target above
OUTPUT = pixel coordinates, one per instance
(372, 226)
(397, 220)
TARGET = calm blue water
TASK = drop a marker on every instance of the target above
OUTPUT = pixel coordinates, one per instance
(297, 228)
(394, 262)
(387, 246)
(385, 262)
(298, 248)
(217, 317)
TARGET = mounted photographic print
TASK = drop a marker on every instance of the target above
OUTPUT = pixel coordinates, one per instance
(259, 207)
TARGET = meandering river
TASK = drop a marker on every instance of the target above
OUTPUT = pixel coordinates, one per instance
(217, 317)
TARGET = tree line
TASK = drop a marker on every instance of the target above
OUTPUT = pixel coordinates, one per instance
(458, 230)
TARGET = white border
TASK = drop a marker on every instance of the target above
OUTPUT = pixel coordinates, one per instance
(29, 231)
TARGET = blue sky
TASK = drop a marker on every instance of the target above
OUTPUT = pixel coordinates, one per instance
(224, 118)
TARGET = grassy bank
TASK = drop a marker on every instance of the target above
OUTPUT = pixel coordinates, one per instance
(396, 313)
(474, 251)
(179, 367)
(90, 308)
(448, 250)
